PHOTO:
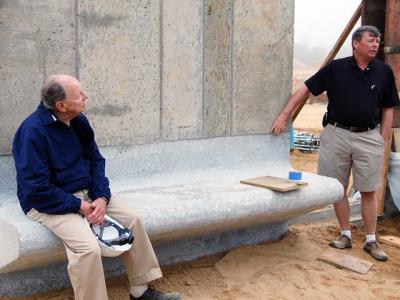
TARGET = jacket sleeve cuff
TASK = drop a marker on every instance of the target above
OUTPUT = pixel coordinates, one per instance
(77, 203)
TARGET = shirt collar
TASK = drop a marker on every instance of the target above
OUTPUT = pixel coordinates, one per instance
(353, 63)
(46, 115)
(372, 64)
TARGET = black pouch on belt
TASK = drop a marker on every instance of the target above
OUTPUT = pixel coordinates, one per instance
(325, 119)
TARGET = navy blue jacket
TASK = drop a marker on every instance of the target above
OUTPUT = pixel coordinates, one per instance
(54, 160)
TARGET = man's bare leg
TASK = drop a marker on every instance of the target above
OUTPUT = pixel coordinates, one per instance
(369, 208)
(342, 211)
(369, 214)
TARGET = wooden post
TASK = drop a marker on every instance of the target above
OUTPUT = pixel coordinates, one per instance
(392, 47)
(380, 195)
(373, 13)
(392, 57)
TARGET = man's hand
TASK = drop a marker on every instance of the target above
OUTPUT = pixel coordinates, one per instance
(98, 211)
(300, 96)
(86, 208)
(280, 124)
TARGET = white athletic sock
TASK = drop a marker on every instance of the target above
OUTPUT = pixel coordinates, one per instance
(138, 290)
(347, 232)
(370, 238)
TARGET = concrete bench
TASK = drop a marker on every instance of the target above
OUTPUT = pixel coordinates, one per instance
(190, 198)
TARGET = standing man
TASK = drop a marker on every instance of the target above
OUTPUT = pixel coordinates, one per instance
(61, 179)
(362, 93)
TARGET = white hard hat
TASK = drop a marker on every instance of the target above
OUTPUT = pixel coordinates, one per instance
(113, 238)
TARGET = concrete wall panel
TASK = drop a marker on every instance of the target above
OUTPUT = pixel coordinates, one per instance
(262, 59)
(154, 70)
(217, 67)
(182, 69)
(119, 65)
(37, 39)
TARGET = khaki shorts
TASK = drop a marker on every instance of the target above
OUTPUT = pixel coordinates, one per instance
(342, 151)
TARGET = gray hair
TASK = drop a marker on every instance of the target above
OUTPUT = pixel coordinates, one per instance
(51, 92)
(358, 34)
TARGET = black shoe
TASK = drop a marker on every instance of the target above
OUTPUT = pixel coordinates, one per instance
(152, 294)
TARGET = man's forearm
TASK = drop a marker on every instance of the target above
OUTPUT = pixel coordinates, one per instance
(386, 123)
(298, 97)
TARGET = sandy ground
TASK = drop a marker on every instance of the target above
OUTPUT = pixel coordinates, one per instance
(286, 269)
(310, 118)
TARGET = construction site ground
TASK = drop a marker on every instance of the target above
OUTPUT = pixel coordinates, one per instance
(285, 269)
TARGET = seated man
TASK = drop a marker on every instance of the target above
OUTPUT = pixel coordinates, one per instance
(61, 179)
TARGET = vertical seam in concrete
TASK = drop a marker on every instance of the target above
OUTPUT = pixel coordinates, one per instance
(203, 70)
(231, 70)
(77, 53)
(161, 53)
(291, 30)
(37, 38)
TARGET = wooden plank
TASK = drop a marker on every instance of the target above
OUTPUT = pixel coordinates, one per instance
(334, 50)
(390, 240)
(342, 260)
(380, 195)
(275, 183)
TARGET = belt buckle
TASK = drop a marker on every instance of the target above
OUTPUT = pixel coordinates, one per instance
(359, 129)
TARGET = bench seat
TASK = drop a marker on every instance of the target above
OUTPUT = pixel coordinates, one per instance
(189, 195)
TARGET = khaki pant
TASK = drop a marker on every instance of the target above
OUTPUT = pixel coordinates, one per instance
(342, 151)
(85, 266)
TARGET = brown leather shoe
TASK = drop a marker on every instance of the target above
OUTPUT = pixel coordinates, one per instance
(342, 242)
(376, 251)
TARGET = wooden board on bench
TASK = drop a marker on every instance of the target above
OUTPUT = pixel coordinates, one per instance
(390, 240)
(342, 260)
(275, 183)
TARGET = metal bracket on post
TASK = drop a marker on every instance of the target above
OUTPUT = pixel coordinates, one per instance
(392, 49)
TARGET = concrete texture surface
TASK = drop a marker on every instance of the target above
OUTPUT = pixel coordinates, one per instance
(217, 67)
(262, 63)
(37, 39)
(154, 70)
(119, 65)
(182, 69)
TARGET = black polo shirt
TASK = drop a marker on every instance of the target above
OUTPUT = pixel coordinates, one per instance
(356, 96)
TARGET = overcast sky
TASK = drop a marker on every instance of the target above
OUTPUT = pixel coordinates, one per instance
(319, 23)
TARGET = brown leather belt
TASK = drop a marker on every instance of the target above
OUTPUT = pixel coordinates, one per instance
(351, 128)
